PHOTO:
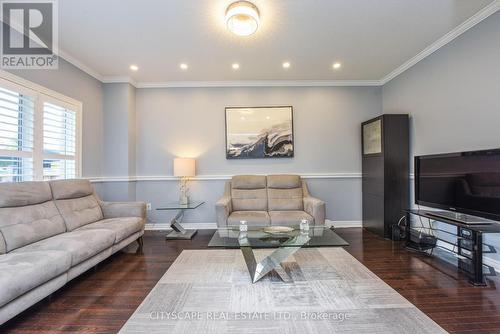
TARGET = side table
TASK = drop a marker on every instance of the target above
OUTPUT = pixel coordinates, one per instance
(178, 232)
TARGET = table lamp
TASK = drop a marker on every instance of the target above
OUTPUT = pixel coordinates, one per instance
(184, 168)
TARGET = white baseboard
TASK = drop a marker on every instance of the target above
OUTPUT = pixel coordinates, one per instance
(343, 224)
(190, 226)
(211, 226)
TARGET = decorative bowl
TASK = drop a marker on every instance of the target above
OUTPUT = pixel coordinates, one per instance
(278, 229)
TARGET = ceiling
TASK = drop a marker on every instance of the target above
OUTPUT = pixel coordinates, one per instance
(371, 38)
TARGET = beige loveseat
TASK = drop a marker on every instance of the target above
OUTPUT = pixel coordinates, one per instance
(51, 232)
(268, 200)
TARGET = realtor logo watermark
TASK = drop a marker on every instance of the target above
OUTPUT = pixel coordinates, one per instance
(29, 34)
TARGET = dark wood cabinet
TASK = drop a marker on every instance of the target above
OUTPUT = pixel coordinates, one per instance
(386, 162)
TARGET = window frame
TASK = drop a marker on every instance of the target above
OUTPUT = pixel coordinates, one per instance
(41, 95)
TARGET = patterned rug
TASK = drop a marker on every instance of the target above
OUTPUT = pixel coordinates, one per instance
(209, 291)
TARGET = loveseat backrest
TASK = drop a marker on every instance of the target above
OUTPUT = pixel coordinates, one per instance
(76, 202)
(285, 193)
(249, 193)
(27, 215)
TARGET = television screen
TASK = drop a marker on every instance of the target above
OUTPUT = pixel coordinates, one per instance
(466, 182)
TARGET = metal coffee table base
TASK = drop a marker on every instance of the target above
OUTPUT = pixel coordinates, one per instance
(270, 262)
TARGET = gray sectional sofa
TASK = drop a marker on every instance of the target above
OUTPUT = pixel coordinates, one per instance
(51, 232)
(268, 200)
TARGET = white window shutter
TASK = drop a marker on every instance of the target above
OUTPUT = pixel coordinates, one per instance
(16, 136)
(59, 142)
(40, 135)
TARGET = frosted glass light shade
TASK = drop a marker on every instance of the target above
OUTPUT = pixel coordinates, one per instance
(184, 167)
(242, 18)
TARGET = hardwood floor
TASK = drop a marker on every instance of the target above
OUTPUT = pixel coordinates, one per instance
(101, 300)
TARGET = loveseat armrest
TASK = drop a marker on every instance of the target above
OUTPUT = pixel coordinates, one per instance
(123, 209)
(316, 208)
(223, 209)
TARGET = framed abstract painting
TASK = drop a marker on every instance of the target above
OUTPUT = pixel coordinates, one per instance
(259, 132)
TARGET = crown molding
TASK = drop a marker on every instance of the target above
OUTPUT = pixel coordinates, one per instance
(120, 79)
(484, 13)
(260, 83)
(449, 37)
(80, 65)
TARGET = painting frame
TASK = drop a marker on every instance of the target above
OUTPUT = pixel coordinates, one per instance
(378, 136)
(226, 132)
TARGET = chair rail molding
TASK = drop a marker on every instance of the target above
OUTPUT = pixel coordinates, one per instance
(103, 179)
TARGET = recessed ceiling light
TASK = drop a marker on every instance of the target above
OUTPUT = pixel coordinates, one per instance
(286, 64)
(242, 18)
(183, 66)
(235, 66)
(134, 67)
(337, 66)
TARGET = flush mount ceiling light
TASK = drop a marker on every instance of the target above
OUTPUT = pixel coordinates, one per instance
(134, 67)
(242, 18)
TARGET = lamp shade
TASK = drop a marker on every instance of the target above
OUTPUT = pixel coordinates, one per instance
(184, 167)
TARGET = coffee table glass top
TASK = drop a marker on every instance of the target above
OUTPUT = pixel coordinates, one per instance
(256, 238)
(177, 206)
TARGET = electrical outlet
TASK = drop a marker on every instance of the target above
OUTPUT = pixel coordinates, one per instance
(148, 206)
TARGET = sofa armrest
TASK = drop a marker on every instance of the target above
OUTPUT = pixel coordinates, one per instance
(123, 209)
(223, 209)
(316, 208)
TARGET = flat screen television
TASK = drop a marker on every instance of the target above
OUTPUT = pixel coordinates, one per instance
(464, 182)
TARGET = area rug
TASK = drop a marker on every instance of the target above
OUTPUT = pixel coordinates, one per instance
(209, 291)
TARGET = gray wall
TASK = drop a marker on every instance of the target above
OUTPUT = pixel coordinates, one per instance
(73, 82)
(453, 96)
(190, 122)
(119, 145)
(119, 124)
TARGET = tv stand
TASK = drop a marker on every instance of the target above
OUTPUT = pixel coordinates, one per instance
(460, 217)
(467, 243)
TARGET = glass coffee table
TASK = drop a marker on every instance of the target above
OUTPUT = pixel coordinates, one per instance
(285, 245)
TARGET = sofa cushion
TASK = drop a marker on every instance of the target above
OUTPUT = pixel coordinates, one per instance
(248, 182)
(285, 193)
(22, 272)
(249, 200)
(285, 199)
(123, 227)
(78, 212)
(21, 226)
(253, 218)
(284, 181)
(289, 218)
(67, 189)
(24, 193)
(248, 193)
(81, 245)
